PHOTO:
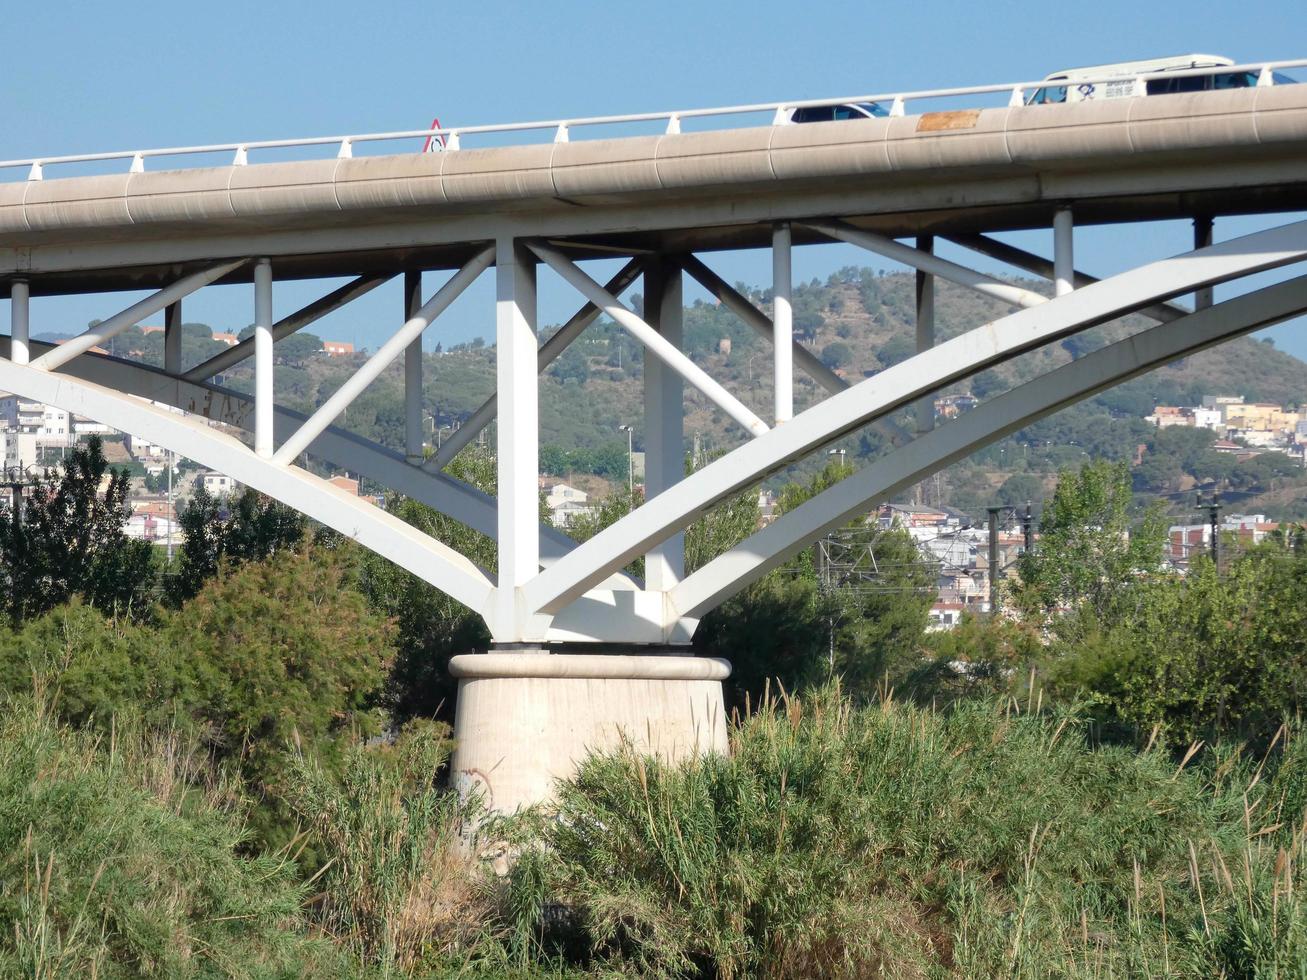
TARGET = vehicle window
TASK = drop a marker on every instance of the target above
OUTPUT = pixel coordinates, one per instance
(1282, 79)
(1048, 95)
(849, 112)
(1238, 79)
(814, 113)
(873, 108)
(1173, 86)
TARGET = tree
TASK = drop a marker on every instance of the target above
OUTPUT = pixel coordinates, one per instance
(1088, 553)
(1205, 655)
(572, 366)
(69, 539)
(281, 652)
(806, 325)
(1020, 489)
(431, 627)
(836, 355)
(898, 348)
(800, 625)
(255, 527)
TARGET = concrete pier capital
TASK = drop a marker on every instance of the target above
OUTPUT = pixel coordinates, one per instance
(574, 665)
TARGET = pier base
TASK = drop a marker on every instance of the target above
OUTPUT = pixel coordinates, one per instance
(525, 720)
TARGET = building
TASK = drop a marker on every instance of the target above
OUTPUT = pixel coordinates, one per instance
(911, 516)
(215, 484)
(141, 448)
(33, 432)
(337, 348)
(1165, 416)
(1184, 541)
(230, 339)
(566, 503)
(1262, 438)
(951, 406)
(1261, 417)
(156, 530)
(346, 483)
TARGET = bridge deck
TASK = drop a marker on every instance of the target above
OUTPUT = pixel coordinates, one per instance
(1236, 151)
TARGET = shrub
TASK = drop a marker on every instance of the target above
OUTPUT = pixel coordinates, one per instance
(282, 652)
(902, 842)
(122, 857)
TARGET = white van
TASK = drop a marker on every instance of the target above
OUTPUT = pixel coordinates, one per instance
(1086, 84)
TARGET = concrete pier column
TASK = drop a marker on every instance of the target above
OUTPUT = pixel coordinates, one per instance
(525, 720)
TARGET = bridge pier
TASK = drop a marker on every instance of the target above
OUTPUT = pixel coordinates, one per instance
(526, 719)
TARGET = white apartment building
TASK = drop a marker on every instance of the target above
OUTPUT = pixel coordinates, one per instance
(31, 430)
(217, 484)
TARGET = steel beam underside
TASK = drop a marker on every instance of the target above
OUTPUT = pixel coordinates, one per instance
(577, 597)
(452, 497)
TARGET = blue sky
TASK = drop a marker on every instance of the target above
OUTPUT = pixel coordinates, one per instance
(86, 77)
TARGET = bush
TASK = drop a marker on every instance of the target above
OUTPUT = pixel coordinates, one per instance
(124, 858)
(898, 841)
(95, 667)
(282, 652)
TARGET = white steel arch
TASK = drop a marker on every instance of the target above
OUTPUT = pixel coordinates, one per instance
(371, 526)
(589, 563)
(449, 495)
(549, 590)
(987, 423)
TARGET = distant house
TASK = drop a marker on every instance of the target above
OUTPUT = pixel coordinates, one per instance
(951, 406)
(346, 483)
(1165, 416)
(230, 339)
(142, 448)
(566, 503)
(337, 348)
(216, 484)
(913, 516)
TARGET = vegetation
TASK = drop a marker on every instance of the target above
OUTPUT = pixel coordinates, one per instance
(251, 528)
(904, 842)
(248, 780)
(67, 540)
(124, 856)
(989, 840)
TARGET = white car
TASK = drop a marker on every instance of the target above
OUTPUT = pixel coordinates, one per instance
(834, 111)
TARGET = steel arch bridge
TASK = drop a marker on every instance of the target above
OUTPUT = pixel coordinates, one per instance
(662, 202)
(566, 591)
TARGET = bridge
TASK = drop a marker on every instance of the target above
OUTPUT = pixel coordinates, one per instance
(581, 648)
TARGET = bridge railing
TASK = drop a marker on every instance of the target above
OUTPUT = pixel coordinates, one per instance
(672, 120)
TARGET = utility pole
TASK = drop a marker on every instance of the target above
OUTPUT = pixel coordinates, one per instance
(993, 558)
(172, 513)
(630, 458)
(1213, 507)
(1028, 528)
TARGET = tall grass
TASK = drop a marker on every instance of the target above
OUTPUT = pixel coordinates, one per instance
(986, 841)
(896, 841)
(120, 856)
(399, 888)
